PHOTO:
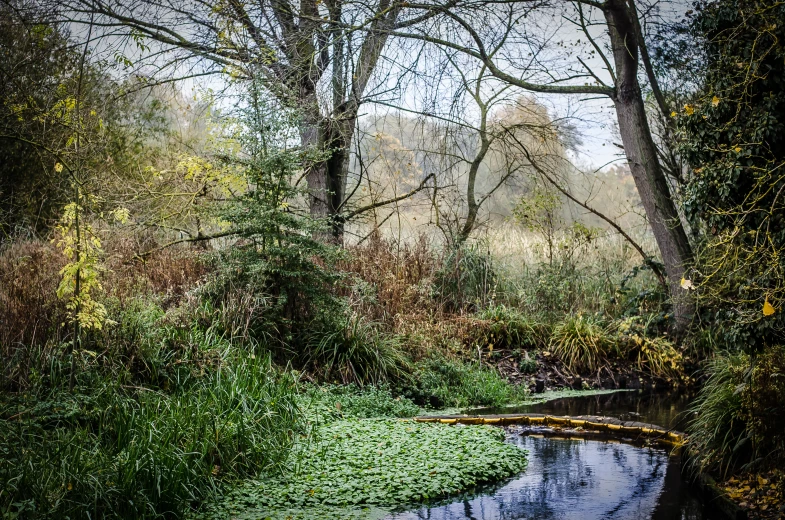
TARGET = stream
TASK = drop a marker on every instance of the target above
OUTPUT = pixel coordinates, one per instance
(585, 479)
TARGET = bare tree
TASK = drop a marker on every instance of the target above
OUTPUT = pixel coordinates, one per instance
(514, 48)
(317, 56)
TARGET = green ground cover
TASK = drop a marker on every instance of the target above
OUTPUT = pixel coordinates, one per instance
(358, 467)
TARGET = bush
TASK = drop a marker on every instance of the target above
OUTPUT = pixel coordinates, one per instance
(582, 343)
(138, 453)
(654, 355)
(353, 350)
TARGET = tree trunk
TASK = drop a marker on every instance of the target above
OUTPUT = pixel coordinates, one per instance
(326, 178)
(641, 154)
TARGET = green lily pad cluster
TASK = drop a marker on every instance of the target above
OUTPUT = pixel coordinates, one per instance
(359, 464)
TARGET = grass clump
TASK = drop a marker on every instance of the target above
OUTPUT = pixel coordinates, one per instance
(502, 327)
(354, 350)
(717, 432)
(385, 462)
(581, 342)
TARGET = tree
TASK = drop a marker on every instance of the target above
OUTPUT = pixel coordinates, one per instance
(501, 30)
(318, 57)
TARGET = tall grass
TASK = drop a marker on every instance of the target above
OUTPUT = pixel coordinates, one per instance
(717, 432)
(354, 350)
(137, 453)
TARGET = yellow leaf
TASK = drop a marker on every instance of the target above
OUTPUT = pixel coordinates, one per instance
(689, 109)
(715, 101)
(768, 309)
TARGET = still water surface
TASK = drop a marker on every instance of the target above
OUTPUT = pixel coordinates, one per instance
(585, 479)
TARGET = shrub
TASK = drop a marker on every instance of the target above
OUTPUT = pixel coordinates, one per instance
(582, 343)
(654, 355)
(353, 350)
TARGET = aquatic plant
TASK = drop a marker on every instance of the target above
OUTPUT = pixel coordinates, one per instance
(383, 462)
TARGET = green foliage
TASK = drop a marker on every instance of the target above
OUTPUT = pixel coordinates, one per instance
(126, 453)
(353, 350)
(763, 402)
(717, 433)
(504, 327)
(279, 259)
(379, 462)
(581, 342)
(734, 140)
(440, 382)
(327, 403)
(655, 355)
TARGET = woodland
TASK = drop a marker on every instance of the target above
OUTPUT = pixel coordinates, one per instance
(244, 242)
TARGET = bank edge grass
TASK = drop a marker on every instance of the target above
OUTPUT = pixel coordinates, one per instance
(717, 432)
(327, 403)
(145, 454)
(581, 342)
(385, 462)
(441, 382)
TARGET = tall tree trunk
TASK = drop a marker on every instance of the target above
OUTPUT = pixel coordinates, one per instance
(641, 154)
(326, 178)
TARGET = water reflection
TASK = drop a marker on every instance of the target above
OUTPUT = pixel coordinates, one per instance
(586, 479)
(581, 480)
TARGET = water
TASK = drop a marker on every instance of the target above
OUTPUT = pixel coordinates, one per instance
(585, 479)
(663, 409)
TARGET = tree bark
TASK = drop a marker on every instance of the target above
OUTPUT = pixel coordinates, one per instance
(642, 157)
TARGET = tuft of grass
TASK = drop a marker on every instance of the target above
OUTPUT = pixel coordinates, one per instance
(717, 431)
(582, 343)
(506, 327)
(355, 351)
(467, 279)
